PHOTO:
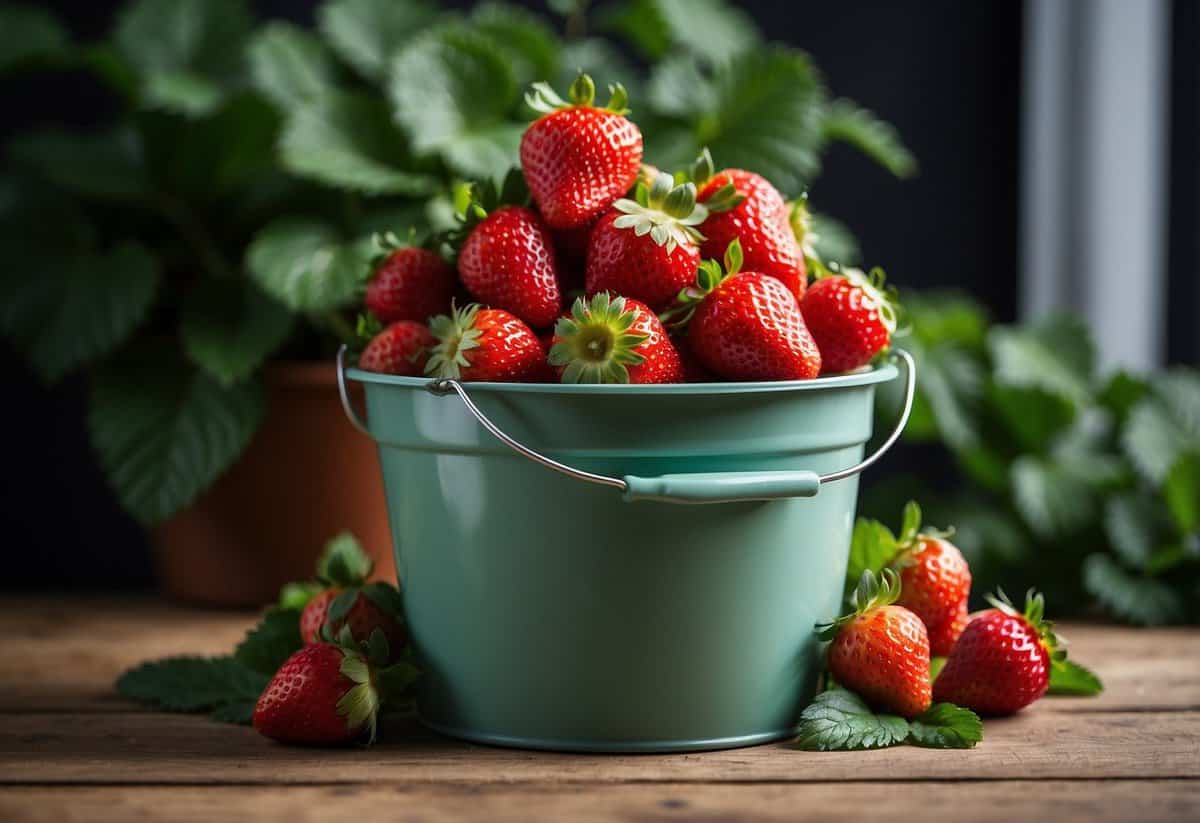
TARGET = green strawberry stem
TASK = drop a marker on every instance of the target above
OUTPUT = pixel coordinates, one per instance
(456, 334)
(668, 213)
(873, 592)
(709, 275)
(542, 97)
(1034, 615)
(595, 344)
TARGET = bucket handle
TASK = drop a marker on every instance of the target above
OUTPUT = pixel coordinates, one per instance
(708, 487)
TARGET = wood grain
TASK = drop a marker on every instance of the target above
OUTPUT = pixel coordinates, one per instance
(933, 802)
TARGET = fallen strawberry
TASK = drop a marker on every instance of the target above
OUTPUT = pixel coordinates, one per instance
(578, 158)
(474, 343)
(851, 316)
(408, 283)
(613, 340)
(745, 206)
(880, 651)
(402, 348)
(647, 249)
(1002, 661)
(323, 695)
(745, 325)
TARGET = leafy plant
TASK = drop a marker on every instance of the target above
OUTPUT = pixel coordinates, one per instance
(224, 216)
(1085, 483)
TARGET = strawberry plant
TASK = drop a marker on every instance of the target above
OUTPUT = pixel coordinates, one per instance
(223, 216)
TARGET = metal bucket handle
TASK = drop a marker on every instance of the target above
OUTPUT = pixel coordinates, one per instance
(710, 487)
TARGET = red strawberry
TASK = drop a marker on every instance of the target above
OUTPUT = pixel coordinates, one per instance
(851, 316)
(507, 261)
(1001, 662)
(577, 158)
(363, 617)
(881, 651)
(746, 207)
(647, 249)
(748, 326)
(481, 344)
(935, 584)
(410, 283)
(693, 372)
(613, 340)
(402, 348)
(943, 636)
(322, 695)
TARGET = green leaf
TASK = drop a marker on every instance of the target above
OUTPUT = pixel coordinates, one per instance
(1052, 501)
(76, 309)
(395, 682)
(28, 33)
(295, 596)
(530, 45)
(190, 684)
(950, 382)
(303, 264)
(872, 547)
(164, 432)
(1033, 416)
(290, 66)
(679, 87)
(366, 33)
(1164, 425)
(838, 720)
(240, 713)
(1122, 392)
(604, 63)
(386, 596)
(1133, 598)
(1056, 355)
(182, 92)
(271, 642)
(936, 664)
(105, 165)
(946, 726)
(1069, 678)
(1133, 523)
(344, 562)
(1182, 490)
(834, 242)
(712, 30)
(451, 92)
(229, 328)
(348, 141)
(847, 122)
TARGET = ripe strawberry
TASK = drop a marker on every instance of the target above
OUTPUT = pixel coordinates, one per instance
(944, 635)
(402, 348)
(409, 283)
(936, 583)
(578, 158)
(693, 371)
(613, 340)
(322, 695)
(1001, 662)
(745, 206)
(851, 316)
(881, 651)
(481, 344)
(507, 261)
(746, 326)
(647, 249)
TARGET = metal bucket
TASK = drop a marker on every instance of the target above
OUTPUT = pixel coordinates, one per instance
(597, 611)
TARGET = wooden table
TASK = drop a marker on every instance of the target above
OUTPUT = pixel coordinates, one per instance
(70, 749)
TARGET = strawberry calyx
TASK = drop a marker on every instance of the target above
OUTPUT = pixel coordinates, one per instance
(667, 212)
(594, 342)
(360, 704)
(912, 534)
(874, 285)
(873, 591)
(1034, 615)
(456, 334)
(801, 222)
(709, 275)
(542, 97)
(700, 172)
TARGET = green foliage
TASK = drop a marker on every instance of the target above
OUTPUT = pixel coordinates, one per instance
(946, 726)
(222, 217)
(271, 642)
(839, 720)
(190, 684)
(1069, 678)
(1084, 483)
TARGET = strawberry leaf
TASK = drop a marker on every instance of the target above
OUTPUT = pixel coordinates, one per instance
(306, 266)
(838, 720)
(239, 713)
(847, 122)
(107, 165)
(946, 726)
(190, 684)
(1069, 678)
(1136, 598)
(28, 33)
(1056, 355)
(229, 328)
(290, 66)
(1182, 490)
(872, 547)
(366, 33)
(395, 682)
(271, 642)
(386, 597)
(344, 562)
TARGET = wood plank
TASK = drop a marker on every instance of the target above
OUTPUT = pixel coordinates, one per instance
(999, 802)
(155, 748)
(63, 653)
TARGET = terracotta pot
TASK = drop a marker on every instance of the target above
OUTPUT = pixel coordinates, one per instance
(307, 475)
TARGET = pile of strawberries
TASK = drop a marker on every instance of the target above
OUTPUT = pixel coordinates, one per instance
(640, 249)
(997, 661)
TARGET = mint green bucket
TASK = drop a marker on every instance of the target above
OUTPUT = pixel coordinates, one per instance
(561, 592)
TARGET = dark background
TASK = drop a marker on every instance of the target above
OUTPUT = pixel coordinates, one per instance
(946, 73)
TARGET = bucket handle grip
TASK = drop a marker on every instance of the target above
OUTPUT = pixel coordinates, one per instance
(700, 487)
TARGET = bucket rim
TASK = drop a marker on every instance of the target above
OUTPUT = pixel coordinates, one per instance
(864, 377)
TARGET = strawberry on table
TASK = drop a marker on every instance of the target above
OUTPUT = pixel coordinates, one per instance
(1001, 662)
(613, 340)
(852, 316)
(745, 206)
(880, 650)
(647, 249)
(507, 258)
(402, 348)
(323, 695)
(746, 325)
(578, 158)
(479, 344)
(408, 283)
